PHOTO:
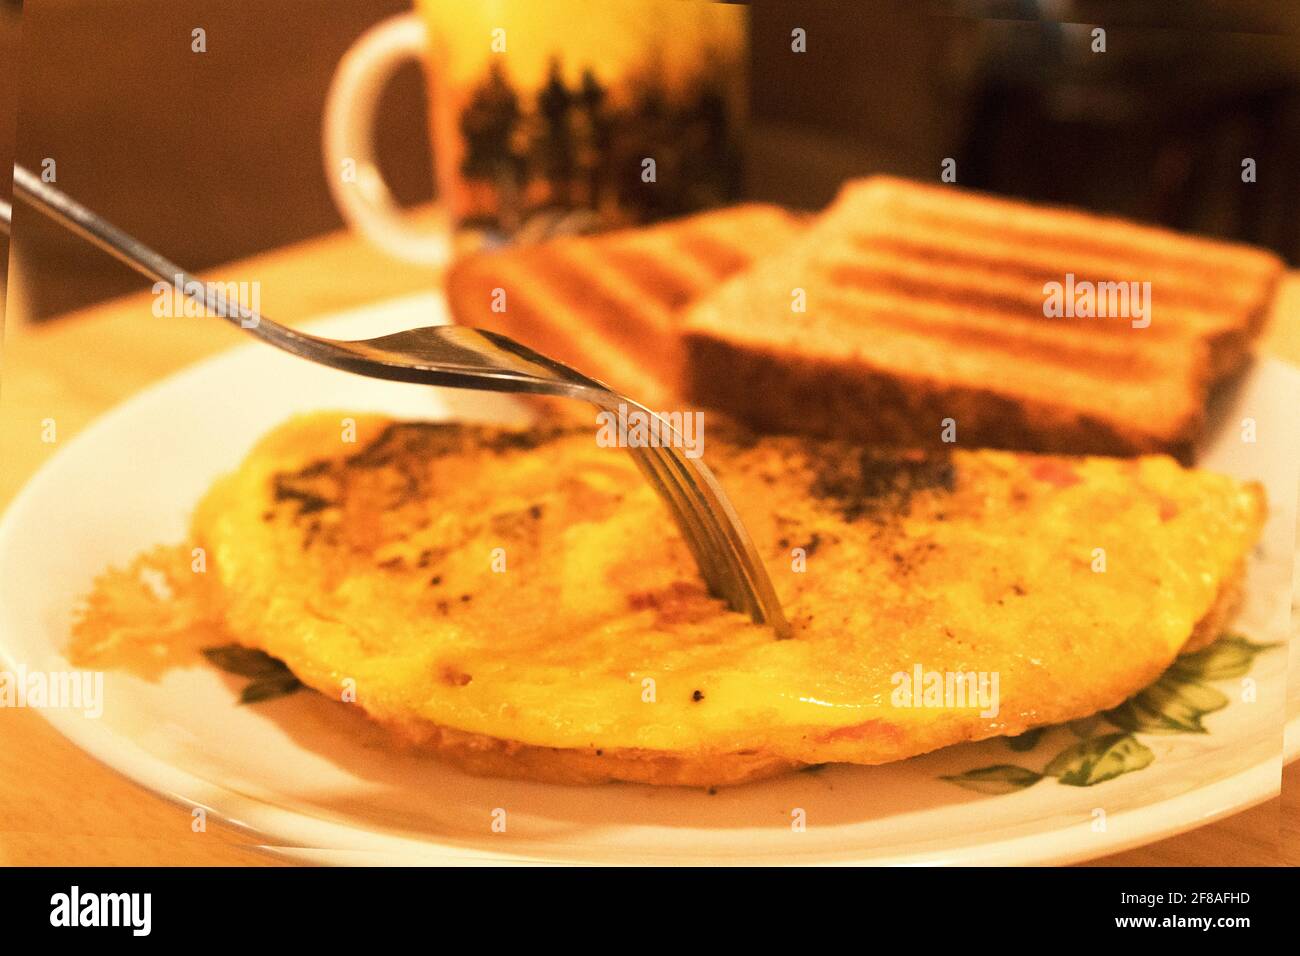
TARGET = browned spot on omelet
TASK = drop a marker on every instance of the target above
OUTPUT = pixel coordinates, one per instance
(453, 676)
(867, 482)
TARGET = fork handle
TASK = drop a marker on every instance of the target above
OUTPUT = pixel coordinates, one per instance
(72, 215)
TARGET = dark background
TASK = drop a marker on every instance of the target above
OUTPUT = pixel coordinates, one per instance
(217, 156)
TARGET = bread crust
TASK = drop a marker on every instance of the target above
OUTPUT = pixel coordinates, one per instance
(791, 394)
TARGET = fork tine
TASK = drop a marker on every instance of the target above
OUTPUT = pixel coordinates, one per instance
(757, 585)
(720, 562)
(697, 523)
(685, 515)
(735, 579)
(725, 581)
(725, 554)
(744, 581)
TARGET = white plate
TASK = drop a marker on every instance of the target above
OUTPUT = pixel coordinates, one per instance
(314, 781)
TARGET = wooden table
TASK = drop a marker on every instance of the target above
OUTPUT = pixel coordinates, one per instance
(58, 806)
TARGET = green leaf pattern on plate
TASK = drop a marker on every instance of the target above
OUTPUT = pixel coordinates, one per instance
(1026, 741)
(271, 678)
(1230, 656)
(1174, 704)
(1091, 761)
(1002, 778)
(266, 688)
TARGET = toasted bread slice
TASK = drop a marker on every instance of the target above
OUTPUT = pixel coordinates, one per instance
(609, 304)
(518, 601)
(927, 303)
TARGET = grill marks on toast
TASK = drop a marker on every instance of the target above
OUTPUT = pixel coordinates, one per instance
(714, 253)
(1041, 259)
(614, 305)
(994, 248)
(609, 304)
(1014, 281)
(985, 219)
(935, 332)
(875, 300)
(542, 319)
(932, 297)
(654, 279)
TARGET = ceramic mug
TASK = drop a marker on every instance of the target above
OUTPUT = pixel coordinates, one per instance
(561, 115)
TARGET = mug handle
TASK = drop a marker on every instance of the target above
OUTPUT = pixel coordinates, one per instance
(366, 202)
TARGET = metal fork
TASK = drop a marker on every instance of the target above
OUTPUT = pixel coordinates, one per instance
(463, 357)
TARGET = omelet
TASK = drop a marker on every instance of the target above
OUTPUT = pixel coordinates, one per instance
(520, 602)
